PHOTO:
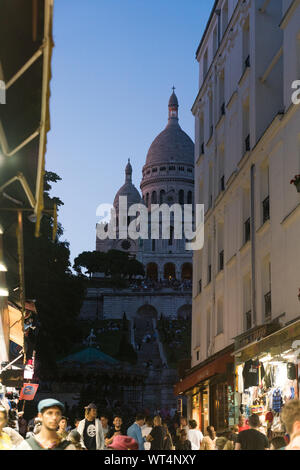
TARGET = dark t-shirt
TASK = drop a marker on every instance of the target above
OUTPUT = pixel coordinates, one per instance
(251, 373)
(158, 433)
(186, 445)
(89, 435)
(252, 440)
(113, 430)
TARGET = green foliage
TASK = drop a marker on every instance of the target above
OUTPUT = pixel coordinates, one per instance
(49, 280)
(116, 264)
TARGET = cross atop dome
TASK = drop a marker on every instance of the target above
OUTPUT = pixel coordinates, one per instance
(128, 172)
(173, 106)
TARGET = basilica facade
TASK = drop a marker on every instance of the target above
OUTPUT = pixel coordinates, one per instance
(167, 178)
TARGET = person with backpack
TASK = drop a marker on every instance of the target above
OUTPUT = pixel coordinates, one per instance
(50, 413)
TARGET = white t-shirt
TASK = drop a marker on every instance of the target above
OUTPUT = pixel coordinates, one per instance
(195, 436)
(145, 432)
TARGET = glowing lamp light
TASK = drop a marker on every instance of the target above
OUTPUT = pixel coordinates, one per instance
(3, 268)
(3, 292)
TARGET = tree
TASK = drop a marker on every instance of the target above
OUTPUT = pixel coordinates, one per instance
(115, 264)
(48, 277)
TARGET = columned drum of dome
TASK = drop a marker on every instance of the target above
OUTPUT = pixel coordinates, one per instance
(168, 174)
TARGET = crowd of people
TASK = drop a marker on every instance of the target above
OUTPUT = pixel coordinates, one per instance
(51, 429)
(174, 284)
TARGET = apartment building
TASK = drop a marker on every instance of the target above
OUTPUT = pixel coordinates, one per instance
(246, 279)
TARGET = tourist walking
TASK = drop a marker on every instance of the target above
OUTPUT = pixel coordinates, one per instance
(146, 429)
(50, 414)
(135, 430)
(5, 442)
(116, 430)
(290, 415)
(62, 428)
(157, 434)
(90, 429)
(209, 441)
(168, 442)
(105, 425)
(252, 439)
(183, 443)
(194, 435)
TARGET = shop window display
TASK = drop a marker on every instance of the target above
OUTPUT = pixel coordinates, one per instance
(264, 384)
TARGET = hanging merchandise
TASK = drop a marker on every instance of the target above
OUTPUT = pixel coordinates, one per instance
(253, 373)
(291, 371)
(277, 400)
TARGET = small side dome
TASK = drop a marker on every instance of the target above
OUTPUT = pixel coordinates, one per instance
(128, 189)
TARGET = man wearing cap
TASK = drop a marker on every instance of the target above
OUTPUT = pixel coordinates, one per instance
(50, 413)
(90, 429)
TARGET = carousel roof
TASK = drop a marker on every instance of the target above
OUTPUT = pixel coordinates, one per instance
(89, 356)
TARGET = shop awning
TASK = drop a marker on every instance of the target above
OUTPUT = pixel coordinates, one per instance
(25, 69)
(216, 364)
(277, 343)
(15, 325)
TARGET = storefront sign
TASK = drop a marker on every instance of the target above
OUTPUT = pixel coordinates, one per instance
(281, 341)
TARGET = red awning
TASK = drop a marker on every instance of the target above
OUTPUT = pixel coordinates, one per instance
(215, 365)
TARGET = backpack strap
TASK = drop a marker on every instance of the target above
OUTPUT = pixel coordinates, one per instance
(34, 444)
(63, 445)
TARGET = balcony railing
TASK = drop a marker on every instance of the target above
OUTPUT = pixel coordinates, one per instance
(266, 209)
(268, 306)
(247, 230)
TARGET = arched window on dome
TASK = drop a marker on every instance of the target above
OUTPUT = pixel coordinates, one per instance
(154, 198)
(162, 196)
(147, 200)
(190, 197)
(181, 196)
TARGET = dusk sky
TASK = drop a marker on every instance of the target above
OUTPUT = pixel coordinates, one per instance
(114, 65)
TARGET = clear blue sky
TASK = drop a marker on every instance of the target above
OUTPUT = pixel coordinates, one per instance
(113, 67)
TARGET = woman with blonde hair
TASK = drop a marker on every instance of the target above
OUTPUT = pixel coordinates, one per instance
(209, 441)
(157, 435)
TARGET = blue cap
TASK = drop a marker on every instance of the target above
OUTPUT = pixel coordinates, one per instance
(49, 403)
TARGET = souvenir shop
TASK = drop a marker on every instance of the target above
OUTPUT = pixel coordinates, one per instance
(267, 376)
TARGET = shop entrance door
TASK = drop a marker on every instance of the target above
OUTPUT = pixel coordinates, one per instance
(204, 406)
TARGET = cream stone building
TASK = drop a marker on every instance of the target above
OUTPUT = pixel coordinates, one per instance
(247, 150)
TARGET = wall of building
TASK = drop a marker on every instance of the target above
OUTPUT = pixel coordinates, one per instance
(220, 306)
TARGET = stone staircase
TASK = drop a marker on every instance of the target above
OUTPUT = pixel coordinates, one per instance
(148, 354)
